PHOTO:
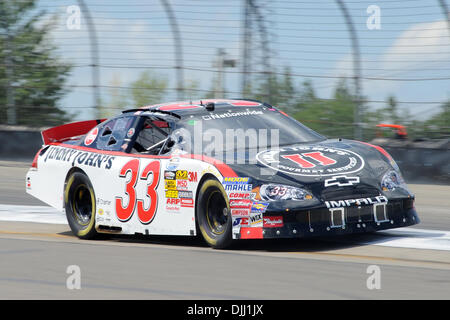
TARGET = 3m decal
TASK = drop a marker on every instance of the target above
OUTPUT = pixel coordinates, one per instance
(182, 174)
(311, 160)
(125, 212)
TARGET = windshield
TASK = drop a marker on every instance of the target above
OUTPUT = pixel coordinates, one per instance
(248, 128)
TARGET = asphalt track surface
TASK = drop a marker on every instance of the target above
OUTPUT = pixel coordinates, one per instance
(34, 258)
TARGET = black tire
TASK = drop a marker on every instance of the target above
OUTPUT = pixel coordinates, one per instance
(80, 205)
(214, 220)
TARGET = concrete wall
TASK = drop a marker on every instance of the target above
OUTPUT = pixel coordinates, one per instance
(19, 143)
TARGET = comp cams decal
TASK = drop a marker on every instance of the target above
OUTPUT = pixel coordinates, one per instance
(311, 161)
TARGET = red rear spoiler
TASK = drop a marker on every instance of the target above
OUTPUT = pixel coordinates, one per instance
(66, 131)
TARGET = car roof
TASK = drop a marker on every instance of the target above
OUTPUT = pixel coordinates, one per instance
(187, 108)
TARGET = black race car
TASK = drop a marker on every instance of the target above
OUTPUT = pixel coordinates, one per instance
(227, 169)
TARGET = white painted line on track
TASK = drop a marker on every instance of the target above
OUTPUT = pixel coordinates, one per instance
(413, 238)
(40, 214)
(401, 238)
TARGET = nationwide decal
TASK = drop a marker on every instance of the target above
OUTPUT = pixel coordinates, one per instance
(356, 202)
(214, 116)
(273, 222)
(312, 160)
(169, 175)
(77, 157)
(341, 181)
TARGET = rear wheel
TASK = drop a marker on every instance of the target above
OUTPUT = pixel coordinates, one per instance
(79, 200)
(214, 220)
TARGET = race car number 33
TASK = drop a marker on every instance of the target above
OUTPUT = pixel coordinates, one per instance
(312, 161)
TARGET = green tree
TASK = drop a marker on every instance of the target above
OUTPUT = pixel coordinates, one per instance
(118, 100)
(32, 77)
(330, 117)
(148, 89)
(438, 126)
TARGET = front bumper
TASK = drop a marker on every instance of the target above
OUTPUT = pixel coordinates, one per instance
(336, 221)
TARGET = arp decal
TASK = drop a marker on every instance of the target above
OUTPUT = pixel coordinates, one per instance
(311, 161)
(145, 215)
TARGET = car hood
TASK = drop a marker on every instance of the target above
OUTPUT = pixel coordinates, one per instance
(330, 169)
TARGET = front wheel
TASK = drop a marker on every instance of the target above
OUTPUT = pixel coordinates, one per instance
(213, 216)
(79, 200)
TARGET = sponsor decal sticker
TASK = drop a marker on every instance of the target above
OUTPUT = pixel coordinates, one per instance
(185, 194)
(182, 174)
(241, 204)
(311, 160)
(169, 175)
(173, 164)
(240, 212)
(259, 207)
(171, 194)
(256, 219)
(182, 184)
(77, 157)
(130, 133)
(91, 136)
(170, 184)
(187, 203)
(273, 222)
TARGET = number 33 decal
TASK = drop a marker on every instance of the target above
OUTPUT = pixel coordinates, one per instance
(145, 215)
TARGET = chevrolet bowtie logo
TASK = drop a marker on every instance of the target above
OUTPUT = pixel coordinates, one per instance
(341, 181)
